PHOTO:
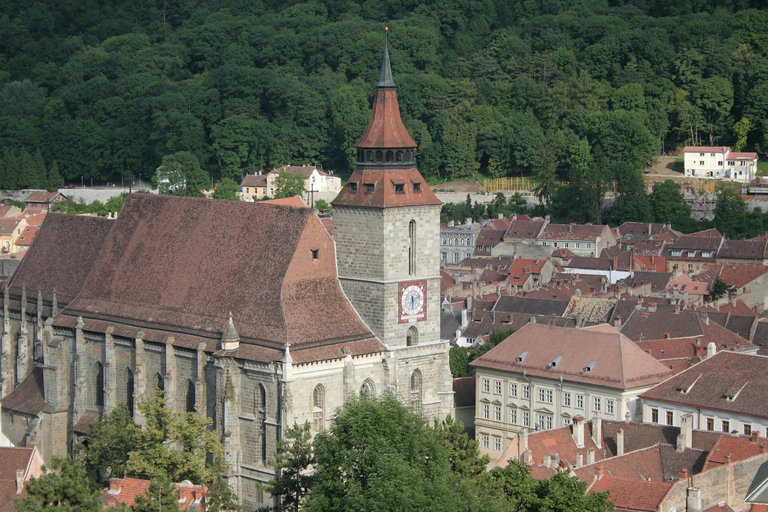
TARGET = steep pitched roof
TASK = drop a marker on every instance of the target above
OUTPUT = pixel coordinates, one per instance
(517, 304)
(125, 490)
(524, 228)
(29, 396)
(727, 381)
(619, 362)
(753, 250)
(632, 494)
(572, 232)
(254, 180)
(65, 249)
(27, 236)
(180, 265)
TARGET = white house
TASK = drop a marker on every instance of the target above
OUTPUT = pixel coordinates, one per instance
(724, 393)
(719, 162)
(542, 377)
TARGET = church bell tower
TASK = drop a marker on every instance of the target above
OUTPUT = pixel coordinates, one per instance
(387, 230)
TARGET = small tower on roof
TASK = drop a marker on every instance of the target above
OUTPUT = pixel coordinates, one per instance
(230, 340)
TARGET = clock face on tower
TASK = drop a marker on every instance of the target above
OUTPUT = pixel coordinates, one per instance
(412, 301)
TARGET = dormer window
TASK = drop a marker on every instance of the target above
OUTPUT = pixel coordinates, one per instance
(353, 187)
(369, 188)
(399, 188)
(417, 187)
(315, 254)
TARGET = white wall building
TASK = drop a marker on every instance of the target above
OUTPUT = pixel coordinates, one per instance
(719, 162)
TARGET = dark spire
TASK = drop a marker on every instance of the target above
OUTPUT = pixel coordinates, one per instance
(385, 78)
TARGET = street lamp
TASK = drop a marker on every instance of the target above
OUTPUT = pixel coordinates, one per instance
(445, 185)
(82, 182)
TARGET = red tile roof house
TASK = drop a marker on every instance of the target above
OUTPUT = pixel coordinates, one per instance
(40, 200)
(747, 283)
(543, 377)
(525, 274)
(17, 467)
(719, 162)
(253, 186)
(724, 393)
(582, 239)
(123, 492)
(690, 253)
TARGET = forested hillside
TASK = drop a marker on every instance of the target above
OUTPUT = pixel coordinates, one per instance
(585, 91)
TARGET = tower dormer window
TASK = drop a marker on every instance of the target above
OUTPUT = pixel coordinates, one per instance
(417, 187)
(353, 187)
(400, 188)
(369, 188)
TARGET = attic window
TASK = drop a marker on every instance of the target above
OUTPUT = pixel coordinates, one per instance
(369, 188)
(417, 187)
(591, 365)
(315, 254)
(399, 188)
(353, 187)
(555, 361)
(521, 357)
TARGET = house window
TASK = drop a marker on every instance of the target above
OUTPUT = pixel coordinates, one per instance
(513, 416)
(596, 403)
(417, 187)
(189, 396)
(720, 163)
(526, 419)
(701, 162)
(98, 385)
(486, 411)
(731, 162)
(353, 187)
(654, 415)
(445, 241)
(416, 397)
(589, 246)
(497, 387)
(691, 254)
(513, 389)
(545, 395)
(548, 396)
(541, 394)
(690, 267)
(412, 337)
(315, 254)
(701, 154)
(369, 188)
(399, 188)
(677, 253)
(486, 385)
(526, 391)
(609, 405)
(579, 401)
(567, 399)
(368, 389)
(747, 430)
(497, 444)
(456, 257)
(710, 424)
(565, 244)
(577, 245)
(670, 417)
(486, 442)
(726, 426)
(711, 154)
(706, 254)
(497, 412)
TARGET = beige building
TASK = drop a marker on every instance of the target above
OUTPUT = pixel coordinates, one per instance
(581, 239)
(11, 230)
(719, 162)
(542, 377)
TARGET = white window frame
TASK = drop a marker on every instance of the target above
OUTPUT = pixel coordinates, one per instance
(526, 419)
(496, 387)
(609, 405)
(486, 442)
(486, 385)
(597, 403)
(526, 391)
(513, 416)
(497, 444)
(579, 401)
(497, 412)
(513, 389)
(566, 399)
(486, 412)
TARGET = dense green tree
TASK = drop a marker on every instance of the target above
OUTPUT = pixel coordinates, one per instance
(463, 452)
(55, 181)
(64, 488)
(719, 288)
(669, 204)
(294, 458)
(289, 185)
(380, 455)
(731, 214)
(108, 445)
(459, 362)
(545, 169)
(181, 174)
(226, 189)
(162, 495)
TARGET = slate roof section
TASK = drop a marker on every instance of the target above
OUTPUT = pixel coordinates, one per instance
(384, 195)
(524, 229)
(620, 362)
(200, 270)
(646, 324)
(386, 128)
(752, 250)
(28, 397)
(657, 280)
(254, 180)
(718, 374)
(65, 249)
(516, 304)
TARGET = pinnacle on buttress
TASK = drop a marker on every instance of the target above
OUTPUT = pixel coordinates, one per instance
(230, 340)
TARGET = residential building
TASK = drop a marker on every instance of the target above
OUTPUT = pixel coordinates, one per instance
(544, 377)
(11, 230)
(582, 239)
(17, 467)
(40, 200)
(525, 274)
(738, 252)
(253, 186)
(457, 242)
(690, 253)
(488, 238)
(122, 492)
(723, 393)
(324, 185)
(719, 162)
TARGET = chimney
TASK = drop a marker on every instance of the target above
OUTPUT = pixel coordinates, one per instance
(547, 461)
(666, 335)
(683, 474)
(711, 349)
(501, 216)
(620, 442)
(579, 459)
(597, 430)
(115, 485)
(600, 472)
(523, 440)
(464, 318)
(685, 438)
(555, 460)
(617, 321)
(763, 447)
(727, 459)
(627, 417)
(590, 456)
(468, 221)
(693, 501)
(578, 430)
(19, 481)
(755, 438)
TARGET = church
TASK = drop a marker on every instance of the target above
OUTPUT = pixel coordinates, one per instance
(249, 314)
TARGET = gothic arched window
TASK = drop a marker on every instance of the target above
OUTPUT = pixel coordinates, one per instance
(412, 337)
(399, 156)
(416, 390)
(368, 389)
(159, 382)
(260, 404)
(98, 384)
(390, 156)
(379, 156)
(129, 390)
(318, 407)
(412, 247)
(189, 396)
